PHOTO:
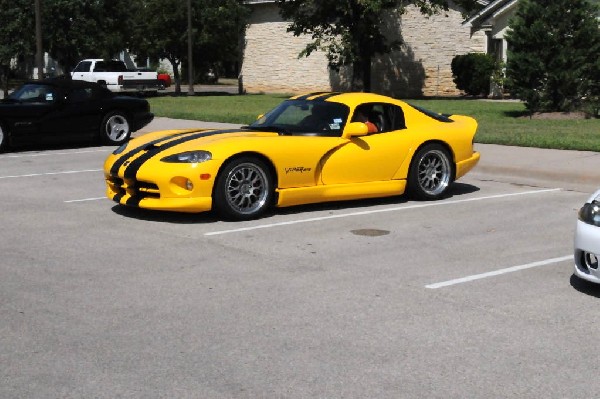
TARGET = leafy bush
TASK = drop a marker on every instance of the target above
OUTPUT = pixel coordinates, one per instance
(553, 62)
(473, 72)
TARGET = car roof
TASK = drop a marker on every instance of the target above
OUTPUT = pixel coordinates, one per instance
(65, 82)
(350, 98)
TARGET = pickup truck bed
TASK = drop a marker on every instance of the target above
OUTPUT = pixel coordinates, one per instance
(115, 76)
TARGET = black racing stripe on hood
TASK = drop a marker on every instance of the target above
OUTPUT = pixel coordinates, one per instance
(152, 151)
(114, 170)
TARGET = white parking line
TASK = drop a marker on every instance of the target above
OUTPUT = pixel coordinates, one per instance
(67, 172)
(85, 199)
(50, 153)
(498, 272)
(394, 209)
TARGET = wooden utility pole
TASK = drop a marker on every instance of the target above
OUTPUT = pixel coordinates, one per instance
(190, 52)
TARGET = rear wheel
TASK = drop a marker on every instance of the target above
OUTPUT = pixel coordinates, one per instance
(115, 129)
(244, 189)
(431, 173)
(3, 139)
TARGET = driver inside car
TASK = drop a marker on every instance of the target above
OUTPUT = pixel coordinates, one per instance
(360, 116)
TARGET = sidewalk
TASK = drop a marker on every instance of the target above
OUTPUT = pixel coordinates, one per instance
(571, 170)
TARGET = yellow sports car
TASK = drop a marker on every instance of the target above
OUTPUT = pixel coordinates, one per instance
(313, 148)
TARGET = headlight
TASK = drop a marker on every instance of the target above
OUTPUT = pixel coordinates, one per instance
(590, 213)
(120, 149)
(189, 157)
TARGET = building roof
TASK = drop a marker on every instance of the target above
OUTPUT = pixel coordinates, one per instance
(491, 10)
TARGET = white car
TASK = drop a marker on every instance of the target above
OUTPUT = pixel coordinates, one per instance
(587, 240)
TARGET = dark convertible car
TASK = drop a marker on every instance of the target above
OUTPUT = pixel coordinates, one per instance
(61, 110)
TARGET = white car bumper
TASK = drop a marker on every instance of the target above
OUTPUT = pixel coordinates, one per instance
(587, 249)
(587, 252)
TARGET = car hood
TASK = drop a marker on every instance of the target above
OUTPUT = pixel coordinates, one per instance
(174, 141)
(594, 197)
(194, 137)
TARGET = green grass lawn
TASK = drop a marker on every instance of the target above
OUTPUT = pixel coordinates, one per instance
(499, 122)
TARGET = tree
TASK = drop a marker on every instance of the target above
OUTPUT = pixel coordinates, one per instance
(553, 60)
(17, 18)
(160, 31)
(350, 31)
(472, 72)
(76, 29)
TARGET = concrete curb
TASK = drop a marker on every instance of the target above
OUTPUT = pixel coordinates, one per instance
(574, 170)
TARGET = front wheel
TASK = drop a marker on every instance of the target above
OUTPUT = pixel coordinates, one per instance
(115, 129)
(244, 189)
(431, 173)
(3, 139)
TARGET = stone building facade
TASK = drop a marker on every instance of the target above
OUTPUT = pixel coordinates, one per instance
(420, 68)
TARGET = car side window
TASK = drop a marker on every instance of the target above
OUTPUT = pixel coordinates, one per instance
(83, 66)
(36, 94)
(395, 117)
(387, 117)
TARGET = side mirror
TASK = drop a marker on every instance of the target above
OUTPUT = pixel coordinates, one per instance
(356, 129)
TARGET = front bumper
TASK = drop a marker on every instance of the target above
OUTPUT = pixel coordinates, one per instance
(587, 252)
(189, 205)
(168, 188)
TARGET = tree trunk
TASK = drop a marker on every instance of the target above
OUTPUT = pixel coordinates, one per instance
(366, 73)
(361, 74)
(176, 76)
(356, 83)
(4, 79)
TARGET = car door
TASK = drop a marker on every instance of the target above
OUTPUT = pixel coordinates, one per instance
(374, 157)
(79, 116)
(83, 71)
(72, 115)
(33, 114)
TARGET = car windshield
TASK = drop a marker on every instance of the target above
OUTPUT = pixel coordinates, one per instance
(319, 118)
(110, 66)
(32, 92)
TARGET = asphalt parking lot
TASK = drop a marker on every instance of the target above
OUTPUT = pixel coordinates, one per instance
(468, 297)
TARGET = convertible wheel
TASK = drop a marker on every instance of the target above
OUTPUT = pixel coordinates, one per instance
(115, 129)
(244, 189)
(430, 173)
(3, 140)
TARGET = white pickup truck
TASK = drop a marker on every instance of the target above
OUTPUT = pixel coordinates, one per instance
(115, 76)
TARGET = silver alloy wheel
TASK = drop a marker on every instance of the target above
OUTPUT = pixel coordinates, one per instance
(247, 188)
(434, 172)
(117, 128)
(2, 137)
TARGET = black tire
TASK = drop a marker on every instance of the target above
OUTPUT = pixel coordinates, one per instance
(3, 139)
(244, 189)
(115, 128)
(431, 173)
